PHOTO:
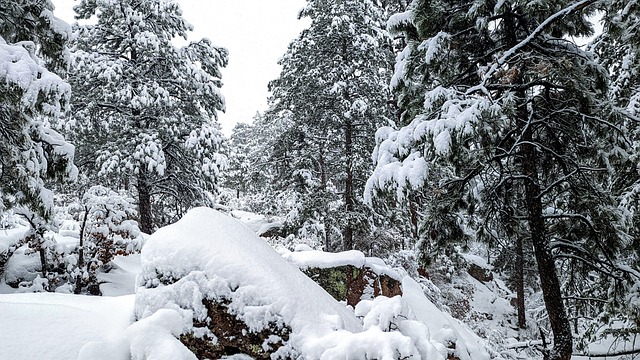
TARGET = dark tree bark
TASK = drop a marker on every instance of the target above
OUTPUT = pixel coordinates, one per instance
(413, 213)
(549, 282)
(348, 190)
(560, 326)
(519, 280)
(144, 203)
(81, 264)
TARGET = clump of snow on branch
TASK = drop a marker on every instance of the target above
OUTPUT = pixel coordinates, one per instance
(400, 154)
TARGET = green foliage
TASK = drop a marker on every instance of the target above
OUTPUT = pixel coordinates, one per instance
(508, 132)
(334, 280)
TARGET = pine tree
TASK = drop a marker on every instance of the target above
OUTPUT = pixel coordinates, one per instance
(618, 48)
(145, 110)
(506, 121)
(106, 231)
(32, 97)
(333, 90)
(249, 171)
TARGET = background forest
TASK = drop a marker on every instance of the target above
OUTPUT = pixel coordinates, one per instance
(420, 132)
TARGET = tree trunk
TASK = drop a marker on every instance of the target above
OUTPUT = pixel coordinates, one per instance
(323, 171)
(81, 264)
(560, 326)
(519, 277)
(43, 261)
(144, 203)
(348, 187)
(562, 338)
(413, 213)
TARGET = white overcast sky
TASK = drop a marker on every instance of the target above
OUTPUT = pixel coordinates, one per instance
(256, 32)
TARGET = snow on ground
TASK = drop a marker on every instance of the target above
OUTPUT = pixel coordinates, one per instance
(444, 327)
(490, 303)
(56, 326)
(209, 254)
(259, 224)
(121, 279)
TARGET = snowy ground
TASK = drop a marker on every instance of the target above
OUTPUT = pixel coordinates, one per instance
(63, 326)
(56, 326)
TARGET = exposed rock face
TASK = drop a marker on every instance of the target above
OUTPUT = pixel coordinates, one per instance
(352, 284)
(480, 273)
(233, 336)
(386, 286)
(349, 275)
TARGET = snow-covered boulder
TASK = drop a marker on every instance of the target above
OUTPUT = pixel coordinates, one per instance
(478, 268)
(211, 288)
(232, 288)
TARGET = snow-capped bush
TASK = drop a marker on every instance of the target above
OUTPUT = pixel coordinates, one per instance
(107, 229)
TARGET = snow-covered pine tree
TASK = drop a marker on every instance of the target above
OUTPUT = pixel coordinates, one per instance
(507, 120)
(249, 171)
(239, 162)
(618, 48)
(333, 89)
(33, 56)
(145, 110)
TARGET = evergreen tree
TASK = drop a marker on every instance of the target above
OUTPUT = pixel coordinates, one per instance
(32, 96)
(333, 92)
(506, 121)
(106, 231)
(144, 109)
(618, 48)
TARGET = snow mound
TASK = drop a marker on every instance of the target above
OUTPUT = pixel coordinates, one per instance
(208, 255)
(10, 237)
(476, 260)
(259, 224)
(320, 259)
(150, 338)
(444, 329)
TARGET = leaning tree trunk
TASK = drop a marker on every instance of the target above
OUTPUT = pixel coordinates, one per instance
(560, 326)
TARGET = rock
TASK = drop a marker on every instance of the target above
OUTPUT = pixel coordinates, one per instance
(479, 273)
(233, 336)
(235, 293)
(352, 284)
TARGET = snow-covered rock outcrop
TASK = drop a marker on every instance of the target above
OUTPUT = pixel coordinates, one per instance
(349, 275)
(214, 285)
